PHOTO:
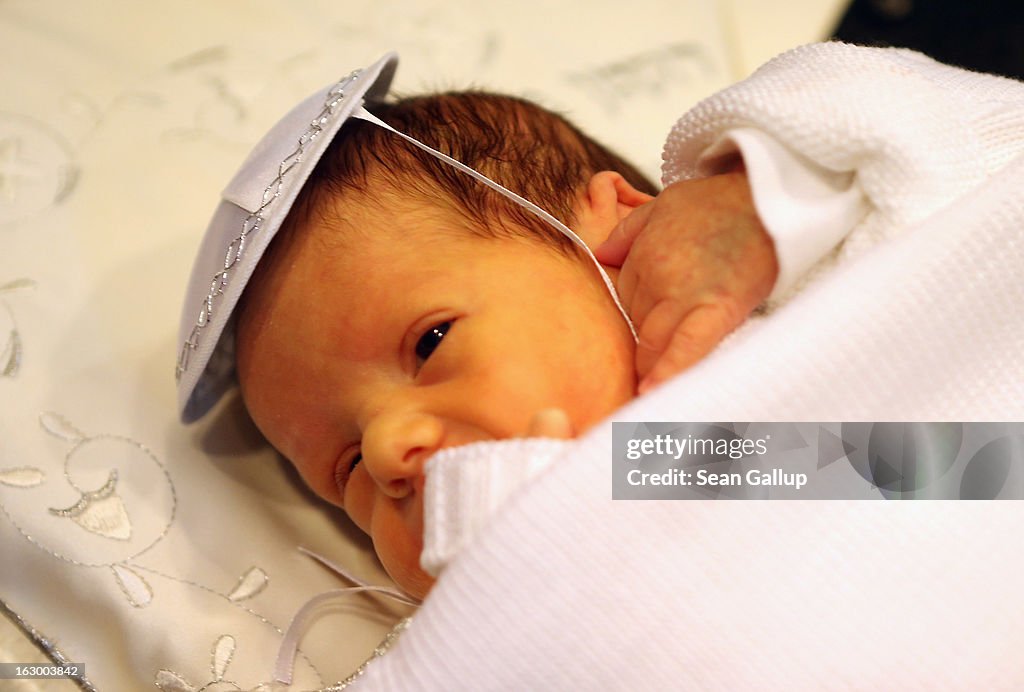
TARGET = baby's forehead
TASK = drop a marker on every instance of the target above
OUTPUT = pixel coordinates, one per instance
(364, 232)
(356, 274)
(388, 215)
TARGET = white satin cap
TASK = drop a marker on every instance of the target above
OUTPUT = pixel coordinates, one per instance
(252, 208)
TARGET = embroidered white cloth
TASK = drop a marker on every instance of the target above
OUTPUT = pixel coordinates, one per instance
(927, 325)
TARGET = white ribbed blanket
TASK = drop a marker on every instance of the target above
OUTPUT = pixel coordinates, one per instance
(567, 589)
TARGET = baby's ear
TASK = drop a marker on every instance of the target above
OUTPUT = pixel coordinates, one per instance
(609, 198)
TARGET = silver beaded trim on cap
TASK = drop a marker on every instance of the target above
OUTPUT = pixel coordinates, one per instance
(254, 221)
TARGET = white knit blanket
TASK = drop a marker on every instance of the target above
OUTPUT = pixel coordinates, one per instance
(567, 589)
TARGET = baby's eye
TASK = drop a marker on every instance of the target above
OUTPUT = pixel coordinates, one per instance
(430, 340)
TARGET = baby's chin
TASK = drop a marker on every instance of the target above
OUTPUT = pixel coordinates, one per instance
(400, 556)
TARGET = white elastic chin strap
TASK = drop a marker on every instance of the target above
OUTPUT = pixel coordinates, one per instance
(364, 114)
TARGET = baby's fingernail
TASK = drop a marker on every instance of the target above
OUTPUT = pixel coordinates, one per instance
(551, 422)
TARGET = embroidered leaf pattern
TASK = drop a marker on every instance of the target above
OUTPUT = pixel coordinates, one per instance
(249, 584)
(16, 284)
(169, 681)
(134, 587)
(10, 356)
(223, 650)
(22, 477)
(58, 426)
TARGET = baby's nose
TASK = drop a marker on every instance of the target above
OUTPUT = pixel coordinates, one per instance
(395, 447)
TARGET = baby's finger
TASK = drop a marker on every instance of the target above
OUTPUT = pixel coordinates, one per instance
(550, 422)
(616, 246)
(657, 326)
(697, 335)
(626, 285)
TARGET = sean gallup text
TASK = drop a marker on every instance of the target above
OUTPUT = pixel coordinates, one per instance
(705, 478)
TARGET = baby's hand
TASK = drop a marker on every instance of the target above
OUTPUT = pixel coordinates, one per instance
(695, 262)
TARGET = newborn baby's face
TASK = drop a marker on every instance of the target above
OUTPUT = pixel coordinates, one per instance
(360, 357)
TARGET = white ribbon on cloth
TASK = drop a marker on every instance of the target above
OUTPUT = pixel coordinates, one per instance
(285, 663)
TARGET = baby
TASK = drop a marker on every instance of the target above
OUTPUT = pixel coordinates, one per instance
(404, 307)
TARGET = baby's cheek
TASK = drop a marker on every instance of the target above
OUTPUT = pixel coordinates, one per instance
(612, 384)
(358, 499)
(398, 541)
